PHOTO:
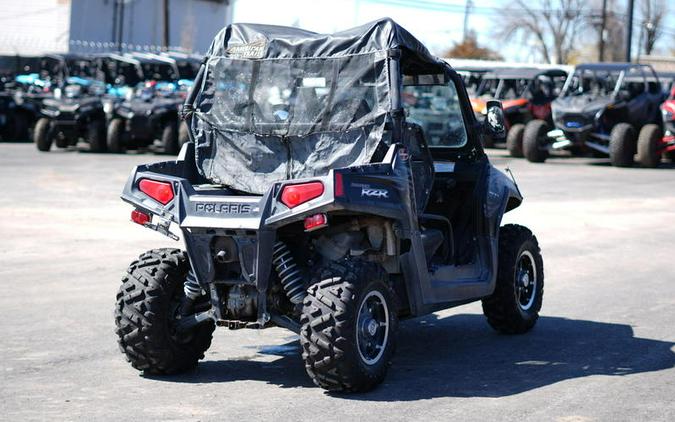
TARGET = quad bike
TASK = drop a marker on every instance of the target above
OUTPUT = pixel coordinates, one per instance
(75, 113)
(307, 200)
(526, 94)
(655, 142)
(149, 118)
(605, 108)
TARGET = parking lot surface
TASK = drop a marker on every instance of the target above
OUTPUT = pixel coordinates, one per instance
(603, 348)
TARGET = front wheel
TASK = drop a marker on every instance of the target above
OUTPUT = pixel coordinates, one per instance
(648, 146)
(514, 140)
(146, 313)
(115, 136)
(535, 141)
(42, 135)
(513, 308)
(169, 138)
(349, 322)
(622, 145)
(183, 136)
(96, 136)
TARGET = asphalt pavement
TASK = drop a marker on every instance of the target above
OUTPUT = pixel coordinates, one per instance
(603, 348)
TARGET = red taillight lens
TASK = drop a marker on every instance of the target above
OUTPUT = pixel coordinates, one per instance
(139, 217)
(294, 195)
(316, 221)
(161, 192)
(339, 185)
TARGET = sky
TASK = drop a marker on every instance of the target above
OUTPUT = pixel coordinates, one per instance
(437, 23)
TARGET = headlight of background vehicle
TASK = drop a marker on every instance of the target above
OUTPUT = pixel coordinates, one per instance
(667, 115)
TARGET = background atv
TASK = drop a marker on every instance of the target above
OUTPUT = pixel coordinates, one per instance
(655, 142)
(604, 108)
(150, 117)
(309, 201)
(526, 94)
(76, 112)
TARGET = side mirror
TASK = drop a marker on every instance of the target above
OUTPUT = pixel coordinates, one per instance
(494, 125)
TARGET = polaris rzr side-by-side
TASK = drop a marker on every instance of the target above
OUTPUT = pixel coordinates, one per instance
(309, 198)
(525, 93)
(75, 113)
(150, 117)
(605, 108)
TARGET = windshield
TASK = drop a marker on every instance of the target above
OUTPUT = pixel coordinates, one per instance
(296, 97)
(437, 110)
(158, 71)
(597, 83)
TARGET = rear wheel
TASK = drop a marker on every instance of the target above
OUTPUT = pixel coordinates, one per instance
(146, 313)
(115, 139)
(535, 141)
(96, 135)
(42, 135)
(622, 145)
(514, 140)
(349, 325)
(514, 306)
(169, 138)
(648, 146)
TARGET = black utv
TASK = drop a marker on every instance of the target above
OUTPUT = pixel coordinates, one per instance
(149, 117)
(307, 200)
(604, 108)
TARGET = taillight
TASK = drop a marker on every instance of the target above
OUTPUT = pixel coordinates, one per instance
(315, 221)
(339, 189)
(294, 195)
(161, 192)
(139, 217)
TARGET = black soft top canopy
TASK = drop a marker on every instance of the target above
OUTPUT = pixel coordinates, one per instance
(255, 41)
(277, 103)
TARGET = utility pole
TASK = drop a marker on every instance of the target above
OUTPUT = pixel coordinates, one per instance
(603, 25)
(467, 11)
(165, 38)
(120, 29)
(114, 24)
(629, 28)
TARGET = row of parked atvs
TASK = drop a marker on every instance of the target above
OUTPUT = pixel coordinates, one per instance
(622, 110)
(113, 102)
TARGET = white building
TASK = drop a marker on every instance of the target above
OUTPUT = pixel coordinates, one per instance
(38, 26)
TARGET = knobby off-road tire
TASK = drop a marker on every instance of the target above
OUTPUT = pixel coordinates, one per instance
(514, 140)
(534, 141)
(146, 306)
(514, 306)
(648, 145)
(339, 334)
(96, 136)
(115, 136)
(169, 138)
(622, 145)
(42, 135)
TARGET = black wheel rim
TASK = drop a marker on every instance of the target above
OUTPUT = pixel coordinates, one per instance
(526, 280)
(372, 327)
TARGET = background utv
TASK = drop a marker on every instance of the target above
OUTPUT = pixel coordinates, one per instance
(309, 201)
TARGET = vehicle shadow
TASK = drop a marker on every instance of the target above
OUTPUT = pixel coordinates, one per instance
(460, 356)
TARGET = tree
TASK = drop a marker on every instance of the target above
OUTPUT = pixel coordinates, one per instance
(614, 35)
(469, 48)
(554, 25)
(651, 29)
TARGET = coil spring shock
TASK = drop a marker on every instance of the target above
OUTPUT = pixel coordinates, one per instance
(288, 272)
(191, 287)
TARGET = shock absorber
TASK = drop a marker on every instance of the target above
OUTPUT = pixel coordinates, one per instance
(192, 291)
(289, 273)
